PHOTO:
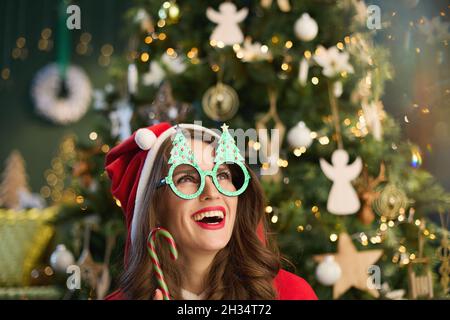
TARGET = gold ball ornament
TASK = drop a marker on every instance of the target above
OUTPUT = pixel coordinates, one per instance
(221, 102)
(390, 202)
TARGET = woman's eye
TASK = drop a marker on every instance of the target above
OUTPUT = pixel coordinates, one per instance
(187, 178)
(224, 175)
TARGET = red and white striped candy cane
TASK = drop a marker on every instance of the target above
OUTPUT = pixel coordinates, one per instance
(154, 257)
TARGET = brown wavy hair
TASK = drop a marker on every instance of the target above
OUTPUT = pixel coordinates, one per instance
(244, 269)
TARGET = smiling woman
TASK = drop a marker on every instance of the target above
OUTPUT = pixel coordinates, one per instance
(213, 206)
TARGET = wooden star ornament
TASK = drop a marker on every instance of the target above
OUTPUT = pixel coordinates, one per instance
(354, 265)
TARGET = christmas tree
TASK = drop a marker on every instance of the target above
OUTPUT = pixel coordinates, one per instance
(313, 68)
(14, 181)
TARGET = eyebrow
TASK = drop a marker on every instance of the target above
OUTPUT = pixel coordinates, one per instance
(185, 171)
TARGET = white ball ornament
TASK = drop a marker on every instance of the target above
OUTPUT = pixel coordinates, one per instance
(328, 271)
(306, 28)
(300, 136)
(61, 258)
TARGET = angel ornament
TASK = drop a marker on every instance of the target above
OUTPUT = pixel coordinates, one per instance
(343, 199)
(227, 19)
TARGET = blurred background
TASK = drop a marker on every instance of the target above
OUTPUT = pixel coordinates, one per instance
(68, 96)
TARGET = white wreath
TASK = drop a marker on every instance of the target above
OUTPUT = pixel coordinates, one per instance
(45, 89)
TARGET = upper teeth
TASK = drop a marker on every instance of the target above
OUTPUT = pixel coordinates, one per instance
(200, 216)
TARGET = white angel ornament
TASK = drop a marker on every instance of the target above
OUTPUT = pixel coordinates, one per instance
(343, 199)
(227, 19)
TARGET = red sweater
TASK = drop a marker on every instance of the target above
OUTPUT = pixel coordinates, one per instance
(289, 287)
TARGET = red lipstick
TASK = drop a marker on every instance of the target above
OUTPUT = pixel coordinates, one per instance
(211, 226)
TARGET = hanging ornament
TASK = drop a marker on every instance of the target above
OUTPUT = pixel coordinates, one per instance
(169, 12)
(174, 63)
(91, 271)
(333, 61)
(271, 146)
(120, 120)
(250, 52)
(227, 19)
(221, 102)
(61, 100)
(342, 199)
(132, 77)
(328, 271)
(282, 4)
(154, 76)
(165, 107)
(157, 72)
(442, 253)
(444, 269)
(104, 282)
(300, 136)
(306, 28)
(303, 72)
(368, 193)
(337, 89)
(372, 116)
(61, 258)
(390, 202)
(354, 265)
(420, 280)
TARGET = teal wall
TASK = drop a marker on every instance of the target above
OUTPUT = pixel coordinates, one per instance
(20, 127)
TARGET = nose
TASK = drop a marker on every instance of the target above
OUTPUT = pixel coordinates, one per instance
(210, 191)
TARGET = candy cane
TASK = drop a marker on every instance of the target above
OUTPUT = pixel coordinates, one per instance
(154, 257)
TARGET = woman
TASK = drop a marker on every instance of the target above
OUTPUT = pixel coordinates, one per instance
(213, 206)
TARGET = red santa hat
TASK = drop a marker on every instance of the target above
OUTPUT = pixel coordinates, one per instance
(129, 165)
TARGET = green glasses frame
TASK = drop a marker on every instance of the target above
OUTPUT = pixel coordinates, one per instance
(203, 174)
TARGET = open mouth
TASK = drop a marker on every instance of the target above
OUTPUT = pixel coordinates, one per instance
(210, 217)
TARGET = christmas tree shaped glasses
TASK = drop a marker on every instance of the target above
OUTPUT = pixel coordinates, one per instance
(187, 179)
